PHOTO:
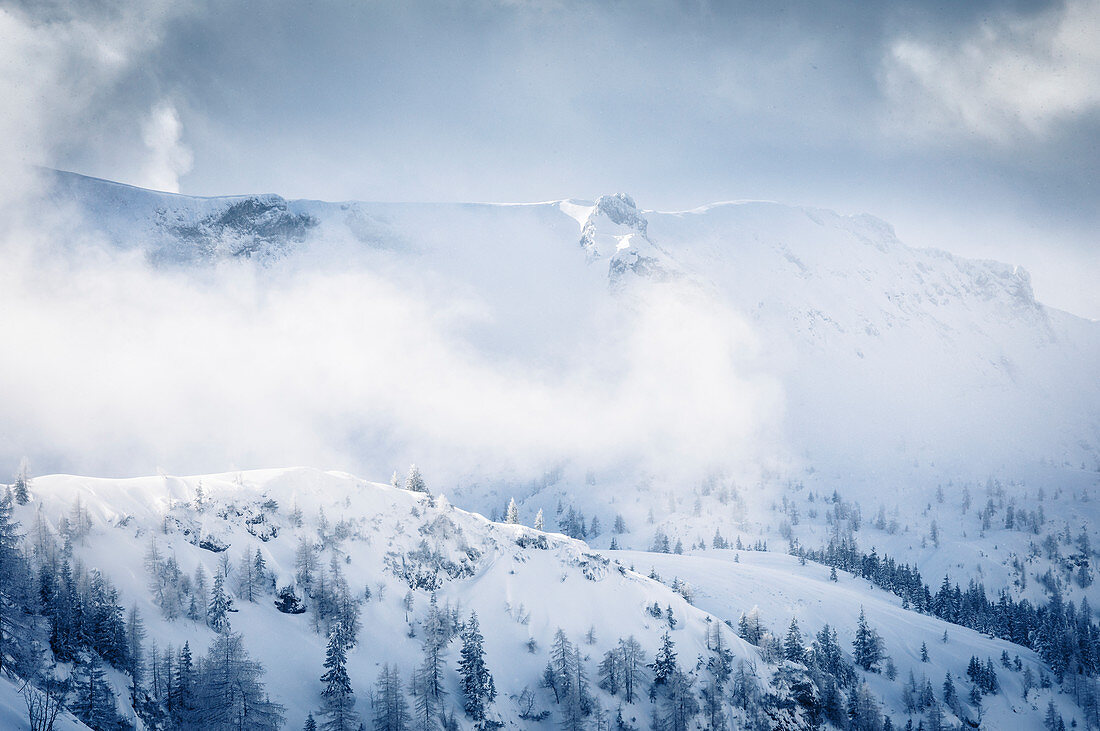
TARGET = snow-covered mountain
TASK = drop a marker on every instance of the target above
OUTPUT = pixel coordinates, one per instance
(705, 384)
(393, 550)
(894, 364)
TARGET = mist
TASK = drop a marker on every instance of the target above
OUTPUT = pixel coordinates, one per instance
(118, 367)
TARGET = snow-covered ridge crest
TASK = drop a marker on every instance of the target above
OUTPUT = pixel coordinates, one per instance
(214, 512)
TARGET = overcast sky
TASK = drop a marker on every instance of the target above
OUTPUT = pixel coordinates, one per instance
(973, 126)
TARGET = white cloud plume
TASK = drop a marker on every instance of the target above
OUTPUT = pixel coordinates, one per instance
(1015, 77)
(169, 158)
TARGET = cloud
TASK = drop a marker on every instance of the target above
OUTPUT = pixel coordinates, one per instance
(63, 69)
(168, 157)
(1014, 77)
(119, 368)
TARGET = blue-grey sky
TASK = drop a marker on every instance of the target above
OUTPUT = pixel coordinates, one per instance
(973, 126)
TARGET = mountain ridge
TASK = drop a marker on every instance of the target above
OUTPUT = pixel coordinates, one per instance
(815, 297)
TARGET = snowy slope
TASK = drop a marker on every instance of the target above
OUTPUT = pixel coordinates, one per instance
(521, 592)
(780, 589)
(898, 354)
(13, 709)
(508, 585)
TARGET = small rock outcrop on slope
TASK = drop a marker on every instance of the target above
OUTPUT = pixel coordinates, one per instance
(254, 227)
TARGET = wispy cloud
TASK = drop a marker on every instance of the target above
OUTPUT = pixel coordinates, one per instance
(1013, 77)
(60, 66)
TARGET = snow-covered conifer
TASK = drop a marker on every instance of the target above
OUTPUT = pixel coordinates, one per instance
(337, 698)
(867, 645)
(21, 489)
(664, 662)
(414, 482)
(218, 612)
(793, 650)
(391, 709)
(478, 688)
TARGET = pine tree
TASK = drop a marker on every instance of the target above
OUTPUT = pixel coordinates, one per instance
(577, 702)
(181, 697)
(749, 627)
(337, 698)
(866, 714)
(609, 672)
(713, 707)
(414, 482)
(720, 663)
(15, 580)
(311, 725)
(664, 663)
(744, 688)
(22, 484)
(867, 646)
(218, 612)
(632, 659)
(259, 573)
(199, 595)
(425, 707)
(391, 710)
(305, 564)
(94, 701)
(512, 515)
(679, 704)
(1053, 720)
(428, 678)
(135, 653)
(934, 717)
(539, 521)
(478, 689)
(950, 696)
(228, 691)
(63, 608)
(793, 650)
(558, 673)
(246, 583)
